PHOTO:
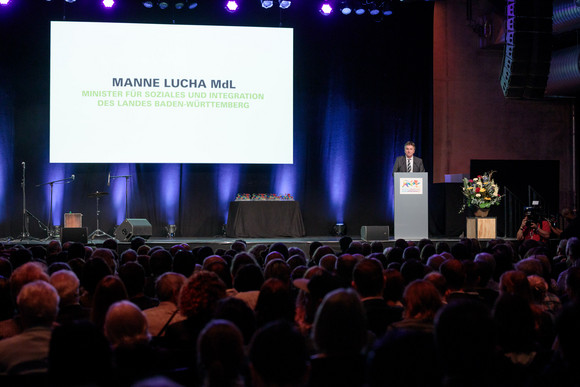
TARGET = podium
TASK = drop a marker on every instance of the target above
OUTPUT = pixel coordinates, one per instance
(411, 205)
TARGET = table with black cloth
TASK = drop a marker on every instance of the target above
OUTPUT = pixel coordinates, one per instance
(265, 219)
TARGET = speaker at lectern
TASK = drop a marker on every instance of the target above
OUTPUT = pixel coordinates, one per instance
(411, 205)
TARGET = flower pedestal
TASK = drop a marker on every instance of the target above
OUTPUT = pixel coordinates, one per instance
(481, 212)
(481, 228)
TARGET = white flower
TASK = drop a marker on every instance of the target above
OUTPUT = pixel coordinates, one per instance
(477, 195)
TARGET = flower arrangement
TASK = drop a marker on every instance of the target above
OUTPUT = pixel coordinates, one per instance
(481, 192)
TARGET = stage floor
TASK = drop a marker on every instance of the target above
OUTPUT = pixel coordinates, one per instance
(224, 243)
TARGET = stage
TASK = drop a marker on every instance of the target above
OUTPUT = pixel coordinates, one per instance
(225, 243)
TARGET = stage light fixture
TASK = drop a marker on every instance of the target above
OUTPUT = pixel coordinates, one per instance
(358, 8)
(108, 3)
(192, 4)
(374, 9)
(179, 4)
(326, 9)
(171, 229)
(148, 3)
(267, 3)
(345, 8)
(4, 2)
(284, 4)
(231, 6)
(339, 229)
(70, 1)
(163, 4)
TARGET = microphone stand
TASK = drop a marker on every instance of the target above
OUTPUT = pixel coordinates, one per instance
(25, 235)
(50, 231)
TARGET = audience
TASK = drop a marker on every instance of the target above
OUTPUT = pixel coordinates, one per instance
(375, 314)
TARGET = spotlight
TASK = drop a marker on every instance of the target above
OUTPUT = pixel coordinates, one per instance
(374, 11)
(179, 4)
(231, 6)
(108, 3)
(326, 9)
(267, 3)
(4, 2)
(359, 10)
(192, 5)
(163, 4)
(171, 229)
(339, 229)
(345, 8)
(70, 1)
(148, 3)
(284, 4)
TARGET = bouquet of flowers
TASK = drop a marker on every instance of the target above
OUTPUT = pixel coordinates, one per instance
(481, 192)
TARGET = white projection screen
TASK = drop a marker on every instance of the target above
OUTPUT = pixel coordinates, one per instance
(149, 93)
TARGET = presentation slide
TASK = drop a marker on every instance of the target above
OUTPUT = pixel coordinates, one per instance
(149, 93)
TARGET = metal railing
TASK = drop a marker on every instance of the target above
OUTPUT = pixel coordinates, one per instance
(514, 209)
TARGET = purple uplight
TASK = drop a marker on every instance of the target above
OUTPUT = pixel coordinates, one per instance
(326, 9)
(4, 2)
(232, 6)
(108, 3)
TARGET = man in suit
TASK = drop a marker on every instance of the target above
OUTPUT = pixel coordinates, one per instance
(408, 162)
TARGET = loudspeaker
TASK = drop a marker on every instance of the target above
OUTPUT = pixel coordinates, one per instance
(374, 233)
(528, 48)
(133, 227)
(74, 234)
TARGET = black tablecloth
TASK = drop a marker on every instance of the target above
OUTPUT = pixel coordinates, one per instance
(265, 219)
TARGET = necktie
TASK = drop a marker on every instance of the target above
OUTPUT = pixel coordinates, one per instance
(409, 168)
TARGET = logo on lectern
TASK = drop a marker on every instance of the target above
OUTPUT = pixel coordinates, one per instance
(411, 186)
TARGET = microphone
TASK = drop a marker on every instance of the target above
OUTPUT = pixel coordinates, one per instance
(72, 177)
(23, 164)
(109, 180)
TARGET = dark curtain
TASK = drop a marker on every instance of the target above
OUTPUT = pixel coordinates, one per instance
(361, 90)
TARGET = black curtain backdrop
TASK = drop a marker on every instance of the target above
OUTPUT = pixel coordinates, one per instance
(361, 90)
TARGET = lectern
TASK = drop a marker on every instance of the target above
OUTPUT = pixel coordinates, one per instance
(411, 205)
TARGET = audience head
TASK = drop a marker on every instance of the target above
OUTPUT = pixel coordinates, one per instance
(109, 290)
(412, 270)
(274, 302)
(126, 325)
(133, 276)
(333, 334)
(200, 294)
(168, 285)
(137, 242)
(394, 286)
(344, 242)
(220, 353)
(222, 271)
(238, 312)
(278, 269)
(328, 262)
(184, 263)
(515, 282)
(161, 262)
(281, 248)
(107, 256)
(248, 278)
(454, 273)
(422, 300)
(67, 285)
(465, 341)
(368, 278)
(278, 356)
(25, 274)
(37, 303)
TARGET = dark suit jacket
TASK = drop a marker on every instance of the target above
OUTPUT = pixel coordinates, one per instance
(401, 164)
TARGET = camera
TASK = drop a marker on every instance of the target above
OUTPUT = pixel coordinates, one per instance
(533, 215)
